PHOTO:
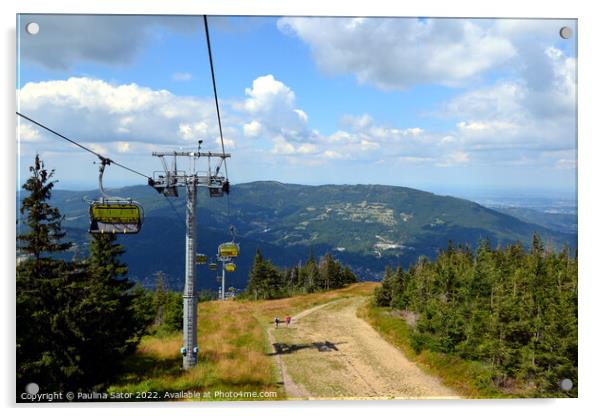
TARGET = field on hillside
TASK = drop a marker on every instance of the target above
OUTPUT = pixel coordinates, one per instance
(233, 362)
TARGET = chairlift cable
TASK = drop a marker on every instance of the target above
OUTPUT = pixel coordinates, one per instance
(219, 120)
(101, 157)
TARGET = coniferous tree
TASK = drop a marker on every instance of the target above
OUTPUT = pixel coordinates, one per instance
(511, 309)
(110, 327)
(40, 279)
(256, 283)
(268, 282)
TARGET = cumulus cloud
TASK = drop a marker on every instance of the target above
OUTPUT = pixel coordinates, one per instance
(252, 129)
(396, 53)
(271, 103)
(282, 147)
(515, 114)
(65, 40)
(96, 111)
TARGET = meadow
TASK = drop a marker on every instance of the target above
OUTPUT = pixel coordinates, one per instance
(234, 351)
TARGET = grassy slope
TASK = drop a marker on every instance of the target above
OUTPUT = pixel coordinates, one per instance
(233, 346)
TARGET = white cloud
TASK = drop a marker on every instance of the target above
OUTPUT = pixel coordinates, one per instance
(27, 133)
(415, 131)
(93, 110)
(193, 131)
(98, 148)
(307, 148)
(123, 147)
(228, 143)
(369, 145)
(397, 53)
(566, 164)
(268, 95)
(331, 154)
(282, 147)
(516, 114)
(181, 76)
(252, 129)
(414, 159)
(454, 159)
(271, 103)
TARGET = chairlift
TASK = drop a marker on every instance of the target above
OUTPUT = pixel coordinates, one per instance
(230, 249)
(201, 258)
(230, 267)
(113, 214)
(216, 187)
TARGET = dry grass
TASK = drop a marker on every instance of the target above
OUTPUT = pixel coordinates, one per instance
(233, 348)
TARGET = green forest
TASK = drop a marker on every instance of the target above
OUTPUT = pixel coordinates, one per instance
(78, 319)
(266, 281)
(511, 309)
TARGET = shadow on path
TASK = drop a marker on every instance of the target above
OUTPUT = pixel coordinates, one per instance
(282, 348)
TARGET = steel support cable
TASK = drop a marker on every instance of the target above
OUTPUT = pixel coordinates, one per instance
(101, 157)
(219, 119)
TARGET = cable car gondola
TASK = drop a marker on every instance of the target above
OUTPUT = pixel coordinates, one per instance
(201, 258)
(230, 267)
(212, 266)
(112, 214)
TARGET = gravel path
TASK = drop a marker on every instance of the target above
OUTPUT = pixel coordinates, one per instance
(328, 352)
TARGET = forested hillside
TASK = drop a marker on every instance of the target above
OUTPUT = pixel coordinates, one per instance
(513, 310)
(364, 226)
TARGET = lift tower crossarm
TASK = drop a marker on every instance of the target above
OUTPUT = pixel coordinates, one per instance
(193, 154)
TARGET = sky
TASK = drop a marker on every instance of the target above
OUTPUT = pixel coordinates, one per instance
(438, 104)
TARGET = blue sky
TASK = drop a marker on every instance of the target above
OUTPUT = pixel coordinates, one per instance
(426, 103)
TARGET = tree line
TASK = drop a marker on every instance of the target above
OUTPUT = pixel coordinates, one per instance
(513, 309)
(266, 281)
(78, 319)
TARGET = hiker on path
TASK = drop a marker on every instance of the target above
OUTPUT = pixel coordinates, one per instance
(287, 319)
(276, 321)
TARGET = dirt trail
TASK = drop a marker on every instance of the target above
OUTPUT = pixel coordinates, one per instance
(328, 352)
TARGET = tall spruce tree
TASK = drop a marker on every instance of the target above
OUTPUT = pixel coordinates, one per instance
(110, 326)
(41, 279)
(256, 283)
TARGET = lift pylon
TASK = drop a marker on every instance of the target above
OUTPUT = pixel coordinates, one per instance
(167, 183)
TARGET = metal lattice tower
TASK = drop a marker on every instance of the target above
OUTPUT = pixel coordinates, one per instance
(223, 260)
(167, 183)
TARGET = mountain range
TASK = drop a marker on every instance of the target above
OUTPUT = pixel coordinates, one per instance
(365, 226)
